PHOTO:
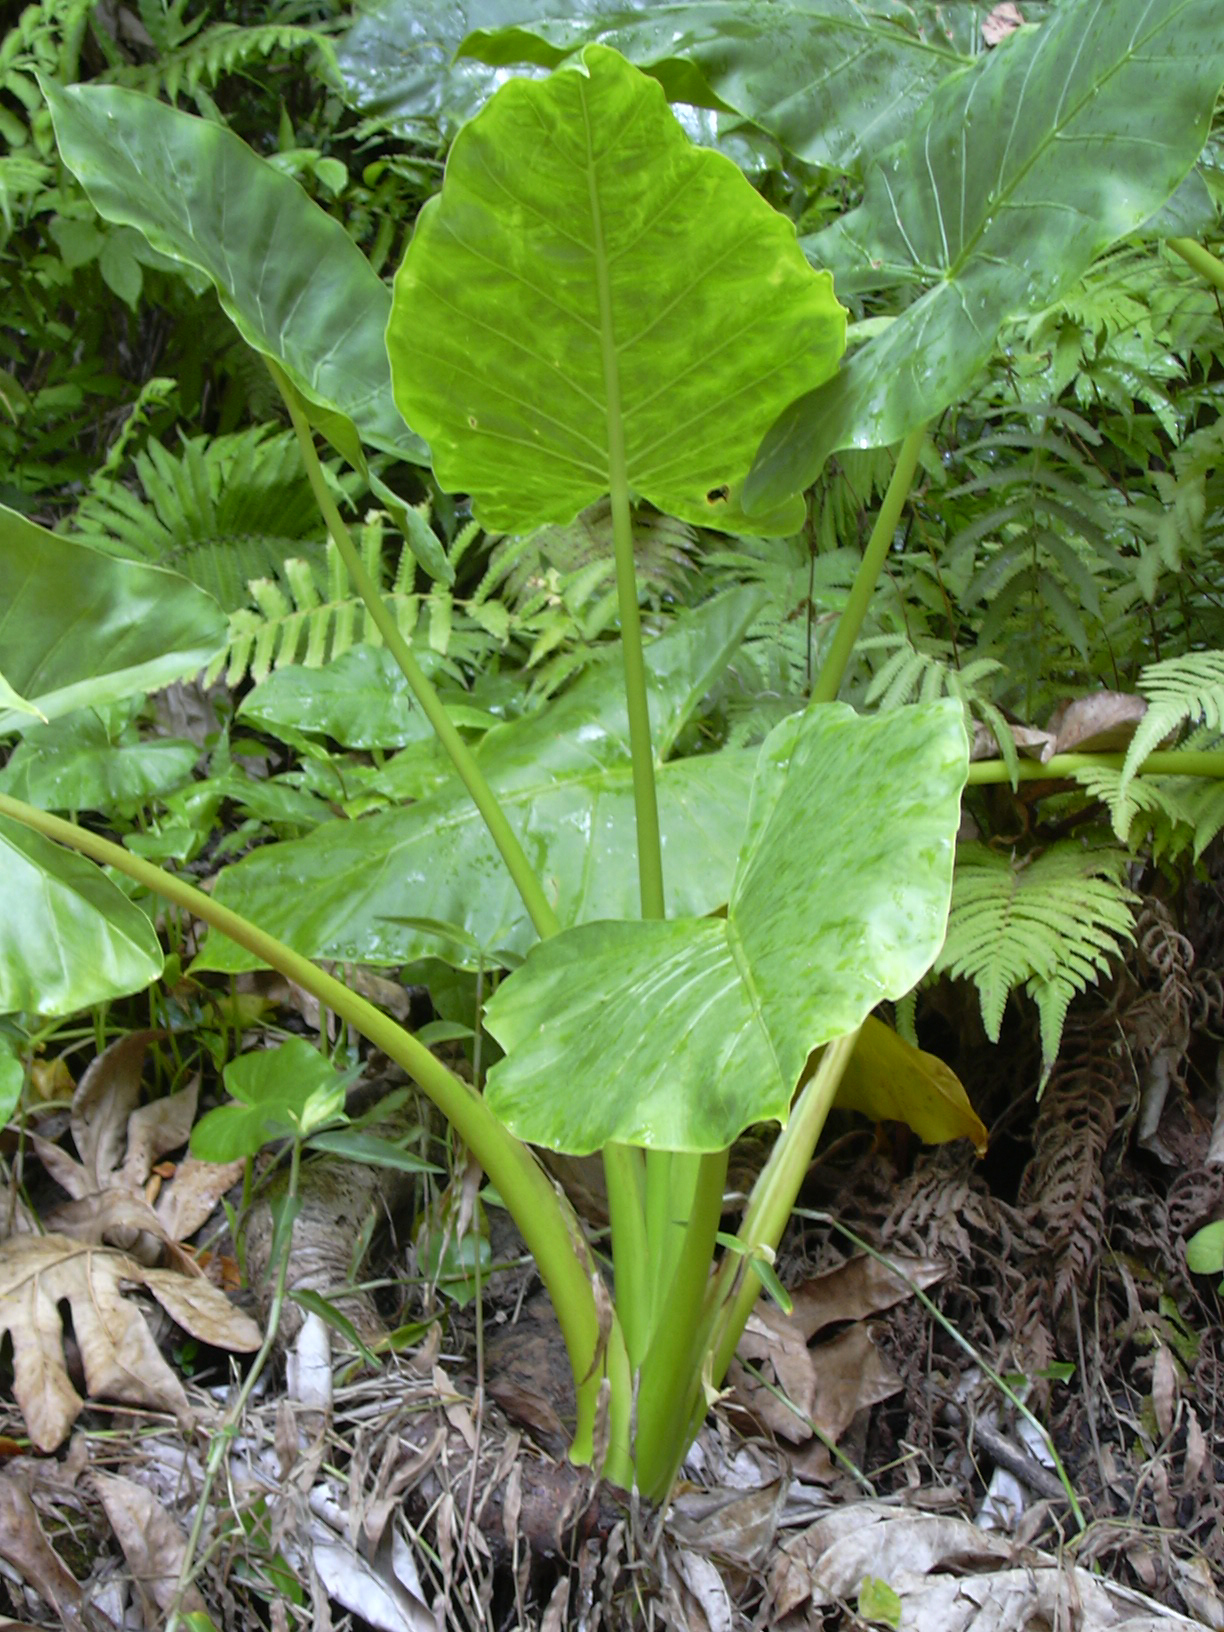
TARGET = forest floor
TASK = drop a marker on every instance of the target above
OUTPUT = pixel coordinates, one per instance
(869, 1461)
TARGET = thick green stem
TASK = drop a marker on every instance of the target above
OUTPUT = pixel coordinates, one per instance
(1202, 260)
(833, 669)
(539, 908)
(623, 1169)
(1205, 762)
(774, 1194)
(552, 1234)
(624, 1179)
(671, 1372)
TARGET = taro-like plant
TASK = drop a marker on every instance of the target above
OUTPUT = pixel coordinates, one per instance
(594, 308)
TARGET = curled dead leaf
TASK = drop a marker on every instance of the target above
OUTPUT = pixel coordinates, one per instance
(1103, 722)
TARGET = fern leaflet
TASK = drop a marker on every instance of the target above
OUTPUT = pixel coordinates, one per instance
(1052, 923)
(1178, 690)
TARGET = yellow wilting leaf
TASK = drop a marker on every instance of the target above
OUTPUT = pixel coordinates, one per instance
(891, 1081)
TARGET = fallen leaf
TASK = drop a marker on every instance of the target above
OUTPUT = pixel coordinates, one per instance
(187, 1203)
(121, 1360)
(705, 1586)
(772, 1339)
(1030, 743)
(860, 1287)
(889, 1080)
(27, 1549)
(1103, 722)
(851, 1373)
(152, 1543)
(120, 1143)
(734, 1526)
(1164, 1390)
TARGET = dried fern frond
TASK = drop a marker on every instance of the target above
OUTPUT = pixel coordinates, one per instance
(1051, 923)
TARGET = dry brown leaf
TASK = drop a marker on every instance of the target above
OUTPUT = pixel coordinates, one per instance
(828, 1385)
(860, 1287)
(851, 1373)
(705, 1589)
(27, 1549)
(1101, 723)
(1164, 1390)
(1199, 1592)
(186, 1204)
(1030, 743)
(735, 1526)
(152, 1543)
(121, 1360)
(558, 1605)
(1005, 19)
(106, 1097)
(950, 1577)
(119, 1142)
(773, 1338)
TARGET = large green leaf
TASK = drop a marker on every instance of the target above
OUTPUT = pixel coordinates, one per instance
(288, 275)
(68, 937)
(78, 627)
(677, 1035)
(588, 284)
(563, 778)
(1018, 173)
(94, 759)
(361, 700)
(397, 61)
(833, 80)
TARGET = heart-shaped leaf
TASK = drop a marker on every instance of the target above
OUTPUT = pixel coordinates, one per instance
(677, 1035)
(78, 627)
(1017, 174)
(591, 301)
(68, 937)
(360, 699)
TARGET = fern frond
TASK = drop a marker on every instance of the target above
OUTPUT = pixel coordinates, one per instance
(1052, 923)
(221, 511)
(307, 613)
(198, 62)
(1178, 690)
(1144, 811)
